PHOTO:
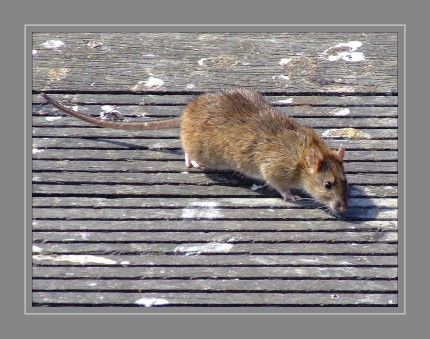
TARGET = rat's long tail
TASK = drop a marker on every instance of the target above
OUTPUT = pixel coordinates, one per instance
(136, 125)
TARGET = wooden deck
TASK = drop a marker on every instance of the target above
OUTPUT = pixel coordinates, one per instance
(118, 220)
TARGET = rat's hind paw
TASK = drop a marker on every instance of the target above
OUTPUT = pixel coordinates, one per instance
(288, 196)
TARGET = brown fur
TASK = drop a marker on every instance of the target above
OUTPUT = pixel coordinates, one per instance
(238, 130)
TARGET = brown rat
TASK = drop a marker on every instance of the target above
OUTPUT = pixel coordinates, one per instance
(239, 130)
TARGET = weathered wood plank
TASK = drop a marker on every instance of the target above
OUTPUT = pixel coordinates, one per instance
(162, 144)
(172, 154)
(208, 260)
(95, 132)
(189, 178)
(194, 191)
(232, 285)
(166, 272)
(262, 202)
(172, 166)
(125, 61)
(231, 237)
(255, 249)
(214, 299)
(214, 225)
(358, 107)
(206, 213)
(173, 103)
(65, 122)
(70, 143)
(361, 209)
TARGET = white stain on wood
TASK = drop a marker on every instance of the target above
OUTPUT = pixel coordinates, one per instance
(151, 83)
(36, 150)
(52, 118)
(80, 259)
(286, 101)
(349, 132)
(341, 89)
(192, 249)
(53, 44)
(341, 111)
(154, 82)
(201, 210)
(107, 108)
(148, 302)
(280, 77)
(36, 249)
(345, 51)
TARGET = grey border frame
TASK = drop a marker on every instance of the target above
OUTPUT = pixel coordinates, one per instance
(28, 90)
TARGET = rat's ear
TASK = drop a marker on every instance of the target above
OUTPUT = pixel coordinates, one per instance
(341, 152)
(314, 160)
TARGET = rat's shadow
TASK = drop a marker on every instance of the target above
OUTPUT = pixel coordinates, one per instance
(361, 208)
(236, 179)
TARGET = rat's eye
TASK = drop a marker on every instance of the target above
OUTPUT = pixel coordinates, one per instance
(328, 184)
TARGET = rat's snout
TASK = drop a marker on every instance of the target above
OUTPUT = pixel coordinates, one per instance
(340, 206)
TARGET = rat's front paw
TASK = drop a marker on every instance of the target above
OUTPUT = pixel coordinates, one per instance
(191, 163)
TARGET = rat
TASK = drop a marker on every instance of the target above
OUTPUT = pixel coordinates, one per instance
(239, 130)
